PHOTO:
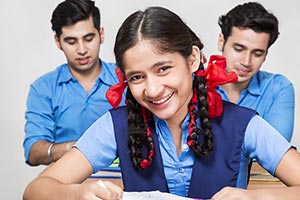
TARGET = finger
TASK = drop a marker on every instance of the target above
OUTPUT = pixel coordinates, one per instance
(103, 193)
(114, 188)
(220, 195)
(100, 182)
(109, 190)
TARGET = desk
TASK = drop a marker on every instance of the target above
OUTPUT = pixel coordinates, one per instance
(113, 176)
(259, 178)
(116, 181)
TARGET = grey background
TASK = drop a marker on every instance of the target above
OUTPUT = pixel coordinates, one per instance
(27, 50)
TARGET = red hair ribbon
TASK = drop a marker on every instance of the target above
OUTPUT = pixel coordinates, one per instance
(114, 93)
(147, 161)
(215, 75)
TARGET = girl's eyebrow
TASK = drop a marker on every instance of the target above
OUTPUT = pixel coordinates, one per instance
(131, 73)
(161, 63)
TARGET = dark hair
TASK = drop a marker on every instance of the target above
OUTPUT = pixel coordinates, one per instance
(168, 33)
(69, 12)
(250, 15)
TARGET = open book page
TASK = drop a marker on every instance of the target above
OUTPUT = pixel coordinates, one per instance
(153, 195)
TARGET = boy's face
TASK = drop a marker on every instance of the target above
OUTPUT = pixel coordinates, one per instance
(245, 51)
(80, 43)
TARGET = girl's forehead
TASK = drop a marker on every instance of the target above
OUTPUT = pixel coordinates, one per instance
(142, 52)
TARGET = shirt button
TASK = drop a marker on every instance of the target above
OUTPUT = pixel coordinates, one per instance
(185, 147)
(181, 170)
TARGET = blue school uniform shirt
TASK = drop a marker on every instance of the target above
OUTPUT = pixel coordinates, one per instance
(261, 142)
(59, 109)
(272, 96)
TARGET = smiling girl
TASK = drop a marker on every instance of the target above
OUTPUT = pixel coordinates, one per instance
(175, 135)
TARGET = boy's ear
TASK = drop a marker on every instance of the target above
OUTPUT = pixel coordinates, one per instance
(221, 42)
(57, 42)
(195, 58)
(101, 33)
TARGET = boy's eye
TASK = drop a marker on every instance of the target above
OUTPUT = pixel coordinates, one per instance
(258, 54)
(89, 38)
(71, 41)
(238, 49)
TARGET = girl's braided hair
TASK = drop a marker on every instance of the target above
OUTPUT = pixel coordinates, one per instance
(168, 33)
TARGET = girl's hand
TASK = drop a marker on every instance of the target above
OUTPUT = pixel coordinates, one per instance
(96, 191)
(230, 193)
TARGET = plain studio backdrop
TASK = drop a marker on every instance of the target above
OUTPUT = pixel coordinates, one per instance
(28, 51)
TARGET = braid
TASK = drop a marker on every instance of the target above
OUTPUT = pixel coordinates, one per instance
(202, 144)
(138, 130)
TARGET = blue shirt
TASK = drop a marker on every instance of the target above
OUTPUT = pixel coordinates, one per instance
(272, 96)
(59, 109)
(98, 145)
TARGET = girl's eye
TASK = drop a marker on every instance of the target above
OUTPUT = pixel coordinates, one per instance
(135, 78)
(164, 68)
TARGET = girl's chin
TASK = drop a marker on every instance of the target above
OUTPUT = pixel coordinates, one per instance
(163, 115)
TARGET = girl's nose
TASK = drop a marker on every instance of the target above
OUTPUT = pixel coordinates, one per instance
(153, 88)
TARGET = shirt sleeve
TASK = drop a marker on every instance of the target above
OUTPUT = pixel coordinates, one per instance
(264, 143)
(39, 124)
(281, 113)
(98, 143)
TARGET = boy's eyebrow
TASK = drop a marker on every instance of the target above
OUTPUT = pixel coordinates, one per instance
(74, 38)
(89, 34)
(242, 46)
(69, 38)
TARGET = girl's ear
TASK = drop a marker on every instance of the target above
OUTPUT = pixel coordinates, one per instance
(194, 59)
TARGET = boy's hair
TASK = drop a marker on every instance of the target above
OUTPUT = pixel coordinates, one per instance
(69, 12)
(250, 15)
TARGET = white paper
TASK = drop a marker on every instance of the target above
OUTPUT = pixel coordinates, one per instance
(153, 195)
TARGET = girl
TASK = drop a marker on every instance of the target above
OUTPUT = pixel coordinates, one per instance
(175, 134)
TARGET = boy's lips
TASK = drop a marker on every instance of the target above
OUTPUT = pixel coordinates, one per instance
(242, 72)
(83, 61)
